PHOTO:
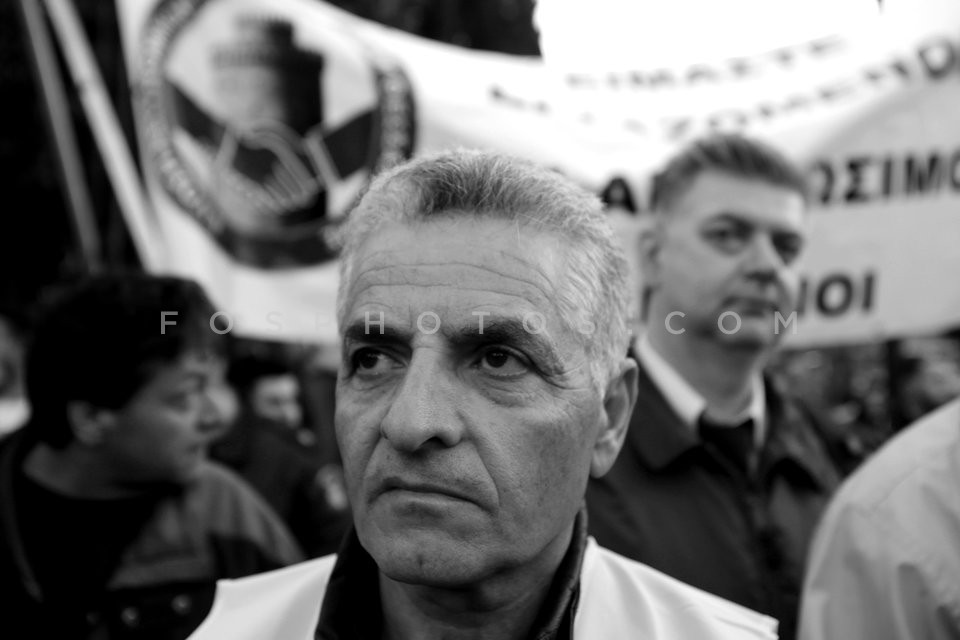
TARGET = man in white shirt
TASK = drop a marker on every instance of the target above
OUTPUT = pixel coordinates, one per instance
(484, 378)
(886, 558)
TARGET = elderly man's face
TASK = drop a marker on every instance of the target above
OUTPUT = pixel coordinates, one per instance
(466, 449)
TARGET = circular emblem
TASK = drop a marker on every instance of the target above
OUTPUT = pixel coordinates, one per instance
(263, 131)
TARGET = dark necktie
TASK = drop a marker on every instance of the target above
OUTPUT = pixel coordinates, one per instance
(734, 443)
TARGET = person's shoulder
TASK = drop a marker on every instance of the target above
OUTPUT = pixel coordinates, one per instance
(889, 538)
(216, 477)
(807, 434)
(621, 596)
(789, 407)
(922, 458)
(227, 506)
(226, 497)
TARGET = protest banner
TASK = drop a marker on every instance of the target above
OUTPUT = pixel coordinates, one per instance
(260, 121)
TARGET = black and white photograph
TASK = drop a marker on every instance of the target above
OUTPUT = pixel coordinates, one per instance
(480, 320)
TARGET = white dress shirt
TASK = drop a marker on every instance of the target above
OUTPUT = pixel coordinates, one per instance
(687, 402)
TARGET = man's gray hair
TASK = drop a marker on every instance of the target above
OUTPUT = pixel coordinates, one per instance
(593, 295)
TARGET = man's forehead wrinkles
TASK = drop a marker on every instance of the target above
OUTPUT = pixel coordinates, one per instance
(461, 321)
(359, 330)
(444, 255)
(421, 261)
(372, 305)
(368, 290)
(427, 255)
(449, 273)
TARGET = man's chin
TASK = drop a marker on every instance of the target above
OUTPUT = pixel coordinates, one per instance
(427, 559)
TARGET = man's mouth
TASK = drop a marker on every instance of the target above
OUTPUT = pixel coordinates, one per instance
(424, 487)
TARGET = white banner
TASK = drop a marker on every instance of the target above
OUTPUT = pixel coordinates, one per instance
(261, 120)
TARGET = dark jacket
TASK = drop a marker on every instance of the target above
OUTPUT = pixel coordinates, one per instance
(678, 506)
(163, 586)
(288, 480)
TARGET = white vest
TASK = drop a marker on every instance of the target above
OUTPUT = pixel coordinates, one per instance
(619, 598)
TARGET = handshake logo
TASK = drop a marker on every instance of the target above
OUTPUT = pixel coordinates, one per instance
(244, 147)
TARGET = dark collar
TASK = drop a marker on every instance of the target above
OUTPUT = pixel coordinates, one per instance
(658, 437)
(352, 610)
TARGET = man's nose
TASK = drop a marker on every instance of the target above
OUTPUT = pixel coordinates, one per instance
(765, 261)
(425, 407)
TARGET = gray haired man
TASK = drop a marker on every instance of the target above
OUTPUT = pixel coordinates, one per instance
(484, 379)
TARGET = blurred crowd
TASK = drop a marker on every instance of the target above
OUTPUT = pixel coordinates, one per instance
(272, 424)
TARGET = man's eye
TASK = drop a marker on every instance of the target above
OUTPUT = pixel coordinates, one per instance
(727, 239)
(366, 359)
(501, 362)
(371, 361)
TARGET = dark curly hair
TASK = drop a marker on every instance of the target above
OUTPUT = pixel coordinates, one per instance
(100, 340)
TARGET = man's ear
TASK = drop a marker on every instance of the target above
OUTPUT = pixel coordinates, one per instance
(88, 423)
(618, 404)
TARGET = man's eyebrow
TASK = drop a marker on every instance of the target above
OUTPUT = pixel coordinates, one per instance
(730, 216)
(508, 331)
(747, 220)
(513, 332)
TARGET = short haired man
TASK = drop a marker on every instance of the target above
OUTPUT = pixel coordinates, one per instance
(268, 388)
(484, 378)
(886, 556)
(722, 477)
(113, 524)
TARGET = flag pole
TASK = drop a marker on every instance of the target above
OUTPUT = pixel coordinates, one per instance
(70, 164)
(107, 131)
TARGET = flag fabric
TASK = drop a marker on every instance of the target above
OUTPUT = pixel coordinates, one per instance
(260, 121)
